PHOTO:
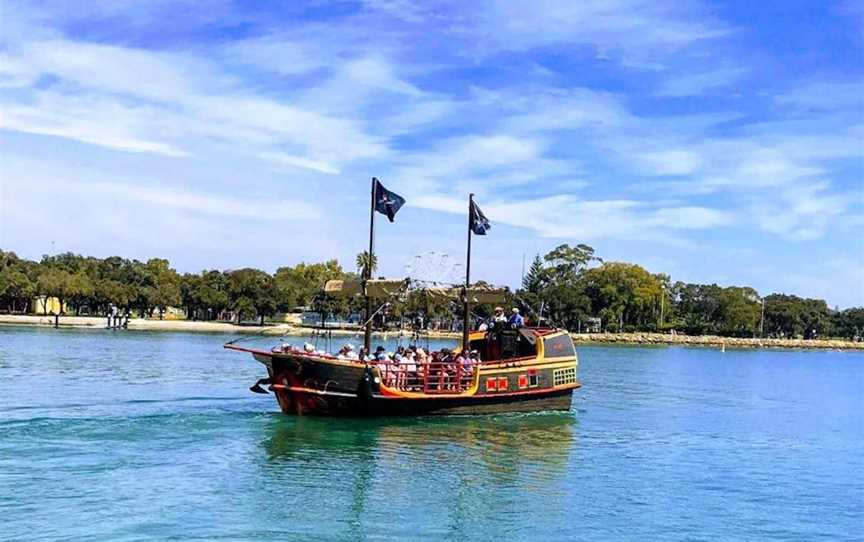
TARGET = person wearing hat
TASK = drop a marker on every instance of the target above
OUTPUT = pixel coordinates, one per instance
(347, 352)
(516, 321)
(380, 354)
(499, 317)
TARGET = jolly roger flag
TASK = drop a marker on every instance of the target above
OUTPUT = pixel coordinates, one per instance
(479, 223)
(387, 202)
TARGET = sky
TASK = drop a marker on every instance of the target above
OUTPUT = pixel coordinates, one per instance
(718, 142)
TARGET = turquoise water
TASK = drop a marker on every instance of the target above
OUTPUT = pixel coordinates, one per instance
(154, 436)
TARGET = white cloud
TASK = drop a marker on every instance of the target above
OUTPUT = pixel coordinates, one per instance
(566, 216)
(639, 32)
(377, 73)
(99, 122)
(672, 162)
(695, 84)
(300, 162)
(801, 213)
(141, 101)
(157, 197)
(122, 70)
(279, 55)
(825, 96)
(542, 109)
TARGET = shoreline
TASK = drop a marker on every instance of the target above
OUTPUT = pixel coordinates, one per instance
(713, 341)
(633, 339)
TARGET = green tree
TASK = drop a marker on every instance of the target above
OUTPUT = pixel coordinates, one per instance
(553, 289)
(793, 316)
(298, 285)
(8, 259)
(566, 262)
(140, 283)
(566, 305)
(205, 296)
(66, 261)
(55, 282)
(80, 291)
(251, 292)
(849, 323)
(740, 309)
(696, 308)
(213, 293)
(108, 292)
(366, 266)
(625, 295)
(16, 288)
(537, 278)
(165, 285)
(189, 285)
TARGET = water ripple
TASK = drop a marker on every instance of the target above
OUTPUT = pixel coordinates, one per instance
(141, 436)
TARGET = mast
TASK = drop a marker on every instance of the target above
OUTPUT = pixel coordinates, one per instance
(367, 273)
(466, 309)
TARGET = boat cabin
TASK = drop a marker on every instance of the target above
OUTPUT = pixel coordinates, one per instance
(527, 342)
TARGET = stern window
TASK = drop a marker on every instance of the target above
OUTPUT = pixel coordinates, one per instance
(560, 346)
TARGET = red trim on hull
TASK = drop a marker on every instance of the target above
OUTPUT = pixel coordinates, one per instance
(484, 395)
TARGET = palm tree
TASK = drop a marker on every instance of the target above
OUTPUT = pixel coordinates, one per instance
(363, 264)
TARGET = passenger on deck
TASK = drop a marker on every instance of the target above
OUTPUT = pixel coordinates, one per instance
(395, 369)
(463, 371)
(499, 318)
(421, 355)
(516, 321)
(461, 358)
(363, 356)
(347, 352)
(381, 354)
(468, 365)
(408, 373)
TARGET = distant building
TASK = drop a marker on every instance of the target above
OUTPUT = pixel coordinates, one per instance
(174, 313)
(46, 305)
(592, 325)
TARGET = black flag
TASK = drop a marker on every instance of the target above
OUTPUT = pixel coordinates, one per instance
(387, 202)
(479, 223)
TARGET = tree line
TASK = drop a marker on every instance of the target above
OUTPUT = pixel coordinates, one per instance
(91, 285)
(569, 287)
(572, 287)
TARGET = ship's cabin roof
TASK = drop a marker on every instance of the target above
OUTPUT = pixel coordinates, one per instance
(526, 342)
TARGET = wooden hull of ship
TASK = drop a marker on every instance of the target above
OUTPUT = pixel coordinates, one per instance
(379, 405)
(311, 385)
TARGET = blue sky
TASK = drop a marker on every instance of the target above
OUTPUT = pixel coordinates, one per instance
(714, 141)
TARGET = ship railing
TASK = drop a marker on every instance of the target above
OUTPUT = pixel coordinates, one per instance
(427, 377)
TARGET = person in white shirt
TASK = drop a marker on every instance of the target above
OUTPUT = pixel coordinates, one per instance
(347, 352)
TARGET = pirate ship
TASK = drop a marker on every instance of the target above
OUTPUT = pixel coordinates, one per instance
(520, 369)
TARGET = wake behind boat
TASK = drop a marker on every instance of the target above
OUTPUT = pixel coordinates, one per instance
(505, 367)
